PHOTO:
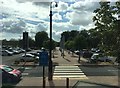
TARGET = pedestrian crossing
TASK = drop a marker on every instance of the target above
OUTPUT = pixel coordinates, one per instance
(73, 72)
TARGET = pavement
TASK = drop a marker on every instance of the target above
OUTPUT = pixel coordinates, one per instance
(69, 60)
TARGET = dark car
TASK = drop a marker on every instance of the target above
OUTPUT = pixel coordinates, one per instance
(9, 74)
(87, 54)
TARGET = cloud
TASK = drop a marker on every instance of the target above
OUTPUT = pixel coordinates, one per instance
(86, 5)
(88, 27)
(56, 36)
(79, 18)
(57, 16)
(64, 26)
(41, 27)
(13, 26)
(33, 16)
(22, 1)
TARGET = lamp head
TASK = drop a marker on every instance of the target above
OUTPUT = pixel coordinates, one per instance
(56, 4)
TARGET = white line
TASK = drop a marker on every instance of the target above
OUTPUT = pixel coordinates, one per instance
(112, 70)
(71, 76)
(24, 73)
(66, 66)
(68, 73)
(68, 69)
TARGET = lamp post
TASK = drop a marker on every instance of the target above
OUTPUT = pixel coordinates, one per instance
(50, 48)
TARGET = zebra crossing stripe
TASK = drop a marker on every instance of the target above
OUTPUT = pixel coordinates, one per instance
(69, 73)
(70, 76)
(68, 69)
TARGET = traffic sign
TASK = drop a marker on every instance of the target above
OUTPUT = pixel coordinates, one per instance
(43, 58)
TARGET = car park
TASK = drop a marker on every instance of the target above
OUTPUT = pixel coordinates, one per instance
(10, 74)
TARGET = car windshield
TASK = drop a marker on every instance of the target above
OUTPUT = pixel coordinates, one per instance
(7, 68)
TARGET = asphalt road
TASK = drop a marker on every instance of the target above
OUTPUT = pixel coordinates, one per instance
(100, 70)
(9, 60)
(88, 71)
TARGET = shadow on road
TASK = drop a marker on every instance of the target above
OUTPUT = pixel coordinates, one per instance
(51, 84)
(67, 60)
(84, 84)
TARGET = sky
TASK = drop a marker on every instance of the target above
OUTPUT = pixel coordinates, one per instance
(18, 16)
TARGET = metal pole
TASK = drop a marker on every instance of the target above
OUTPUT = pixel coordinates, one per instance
(79, 56)
(43, 76)
(67, 82)
(50, 48)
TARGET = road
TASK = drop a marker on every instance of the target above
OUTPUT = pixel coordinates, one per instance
(8, 60)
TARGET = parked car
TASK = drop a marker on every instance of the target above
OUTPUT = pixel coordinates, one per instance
(87, 54)
(35, 53)
(21, 50)
(100, 57)
(28, 57)
(77, 52)
(6, 53)
(10, 74)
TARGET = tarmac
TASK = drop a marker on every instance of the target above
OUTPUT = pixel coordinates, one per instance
(69, 60)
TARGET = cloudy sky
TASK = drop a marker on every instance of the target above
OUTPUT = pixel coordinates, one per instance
(17, 16)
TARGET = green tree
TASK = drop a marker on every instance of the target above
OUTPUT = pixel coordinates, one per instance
(104, 22)
(46, 44)
(31, 43)
(94, 38)
(80, 42)
(40, 37)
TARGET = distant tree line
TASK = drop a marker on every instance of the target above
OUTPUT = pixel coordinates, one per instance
(41, 40)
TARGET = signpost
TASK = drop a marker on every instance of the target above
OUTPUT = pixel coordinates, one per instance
(25, 43)
(62, 43)
(43, 61)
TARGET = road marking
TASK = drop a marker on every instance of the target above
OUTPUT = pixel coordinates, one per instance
(73, 72)
(68, 69)
(25, 74)
(70, 76)
(69, 73)
(112, 70)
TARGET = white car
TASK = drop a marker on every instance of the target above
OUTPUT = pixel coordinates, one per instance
(6, 53)
(99, 57)
(28, 57)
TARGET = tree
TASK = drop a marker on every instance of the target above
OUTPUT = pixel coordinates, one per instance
(104, 22)
(46, 44)
(31, 43)
(40, 37)
(94, 38)
(80, 42)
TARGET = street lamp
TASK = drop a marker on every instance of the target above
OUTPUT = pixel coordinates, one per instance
(50, 48)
